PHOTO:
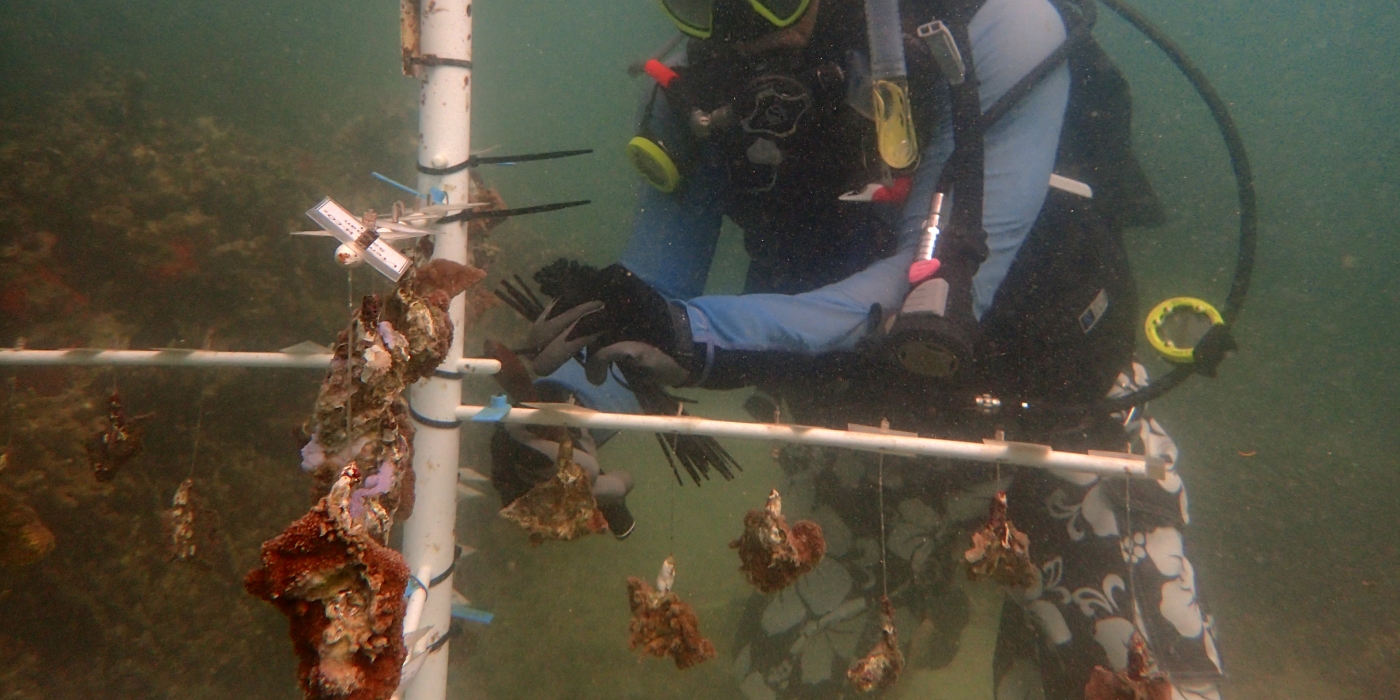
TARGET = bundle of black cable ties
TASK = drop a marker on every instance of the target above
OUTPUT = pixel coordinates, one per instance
(697, 454)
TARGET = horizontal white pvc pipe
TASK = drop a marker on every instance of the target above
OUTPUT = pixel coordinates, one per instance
(992, 452)
(198, 358)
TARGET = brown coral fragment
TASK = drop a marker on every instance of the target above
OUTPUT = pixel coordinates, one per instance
(23, 537)
(1000, 551)
(880, 668)
(187, 524)
(444, 276)
(361, 415)
(120, 441)
(560, 508)
(343, 594)
(664, 626)
(772, 554)
(1136, 682)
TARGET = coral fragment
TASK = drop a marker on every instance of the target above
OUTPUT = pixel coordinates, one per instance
(560, 508)
(23, 537)
(1136, 682)
(1000, 551)
(116, 445)
(664, 626)
(343, 593)
(772, 554)
(880, 668)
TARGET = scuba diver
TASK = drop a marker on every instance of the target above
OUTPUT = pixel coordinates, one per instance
(934, 241)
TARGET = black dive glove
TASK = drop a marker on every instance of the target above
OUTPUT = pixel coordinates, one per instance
(619, 320)
(636, 328)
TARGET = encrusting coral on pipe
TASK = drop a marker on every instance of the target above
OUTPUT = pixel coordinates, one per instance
(343, 593)
(329, 572)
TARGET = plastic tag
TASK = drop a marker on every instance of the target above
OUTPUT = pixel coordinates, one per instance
(346, 228)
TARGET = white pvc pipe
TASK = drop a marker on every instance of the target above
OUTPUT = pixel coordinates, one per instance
(444, 123)
(994, 452)
(201, 358)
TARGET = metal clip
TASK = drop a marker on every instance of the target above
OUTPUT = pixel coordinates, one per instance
(945, 51)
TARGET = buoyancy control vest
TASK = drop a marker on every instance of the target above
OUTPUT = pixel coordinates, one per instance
(1062, 323)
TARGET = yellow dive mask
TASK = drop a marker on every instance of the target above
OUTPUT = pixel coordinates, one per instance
(697, 17)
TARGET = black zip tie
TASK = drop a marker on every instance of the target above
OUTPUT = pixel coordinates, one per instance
(473, 215)
(529, 292)
(523, 305)
(666, 450)
(456, 557)
(474, 161)
(447, 374)
(439, 424)
(440, 642)
(428, 59)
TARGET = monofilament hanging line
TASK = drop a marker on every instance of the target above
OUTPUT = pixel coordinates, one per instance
(672, 438)
(198, 424)
(880, 482)
(1132, 543)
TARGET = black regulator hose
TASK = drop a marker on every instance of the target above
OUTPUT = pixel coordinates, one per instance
(1244, 183)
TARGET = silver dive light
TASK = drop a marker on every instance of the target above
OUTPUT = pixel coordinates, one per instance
(926, 338)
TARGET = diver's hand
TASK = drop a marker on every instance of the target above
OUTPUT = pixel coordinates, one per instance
(520, 460)
(549, 337)
(634, 356)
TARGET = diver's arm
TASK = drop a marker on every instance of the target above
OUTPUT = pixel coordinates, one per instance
(672, 246)
(1009, 38)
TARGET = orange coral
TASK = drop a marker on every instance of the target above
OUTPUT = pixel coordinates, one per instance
(771, 553)
(662, 625)
(343, 594)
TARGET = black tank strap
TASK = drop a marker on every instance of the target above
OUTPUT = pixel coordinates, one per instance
(965, 169)
(1079, 26)
(965, 242)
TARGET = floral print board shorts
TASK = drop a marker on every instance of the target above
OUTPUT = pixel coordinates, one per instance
(1111, 559)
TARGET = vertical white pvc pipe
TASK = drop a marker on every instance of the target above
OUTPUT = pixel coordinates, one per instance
(444, 121)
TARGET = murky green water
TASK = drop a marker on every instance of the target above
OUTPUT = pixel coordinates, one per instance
(1294, 544)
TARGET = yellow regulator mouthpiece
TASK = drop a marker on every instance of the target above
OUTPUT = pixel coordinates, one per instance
(894, 124)
(654, 165)
(1175, 326)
